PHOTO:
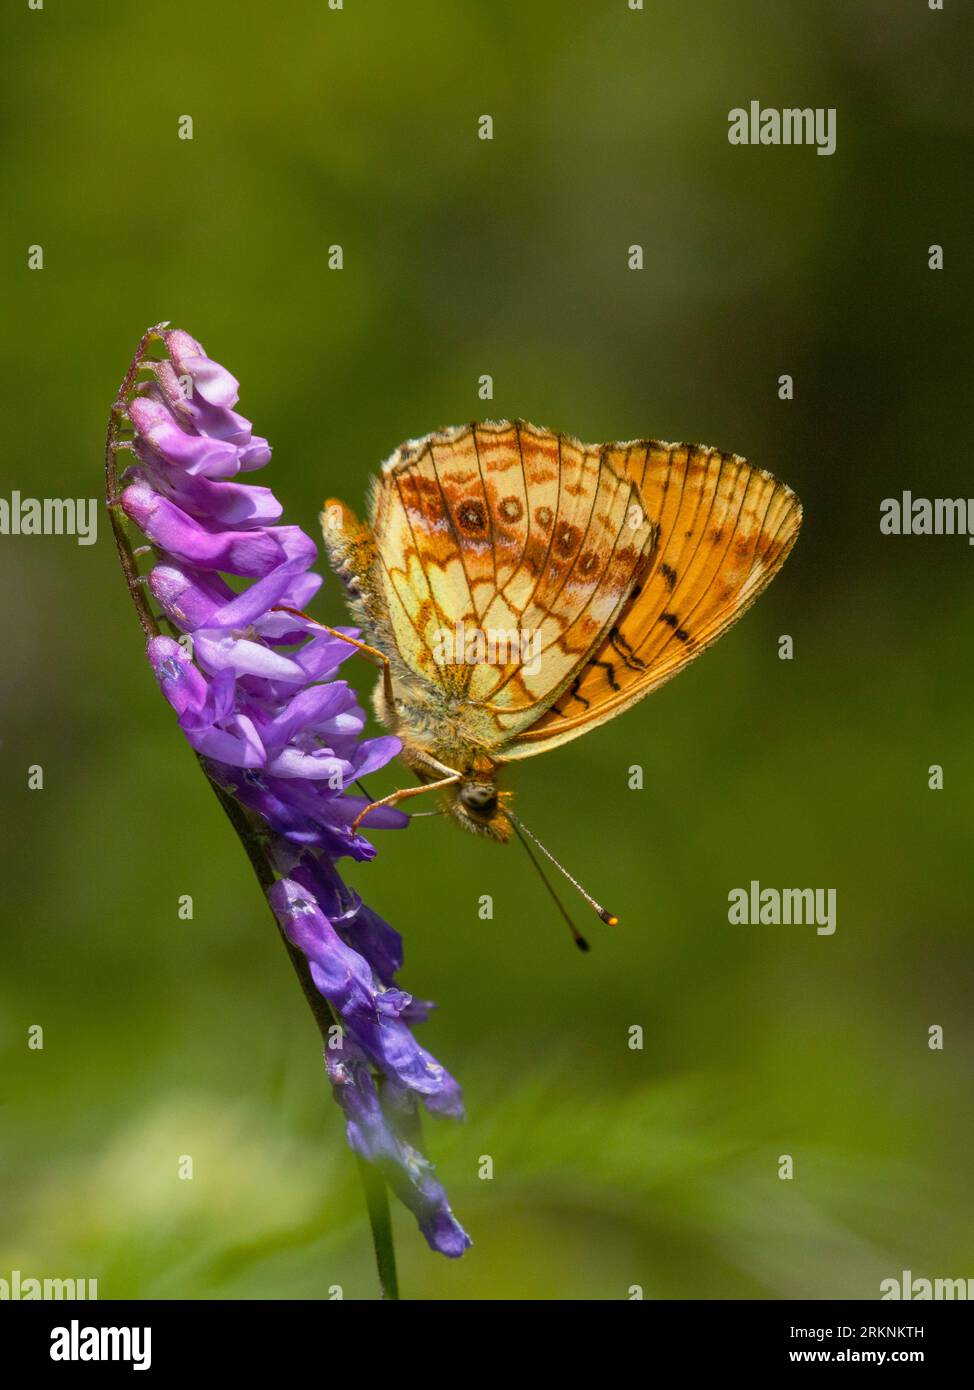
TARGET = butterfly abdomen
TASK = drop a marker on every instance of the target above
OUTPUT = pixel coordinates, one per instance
(350, 547)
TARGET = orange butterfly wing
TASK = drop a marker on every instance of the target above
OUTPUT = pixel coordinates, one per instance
(724, 531)
(506, 528)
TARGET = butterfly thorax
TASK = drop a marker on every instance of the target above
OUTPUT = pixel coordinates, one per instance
(435, 735)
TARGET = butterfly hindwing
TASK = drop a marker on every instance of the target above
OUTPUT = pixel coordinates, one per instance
(518, 533)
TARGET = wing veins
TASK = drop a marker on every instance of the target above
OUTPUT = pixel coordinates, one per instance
(490, 511)
(551, 538)
(685, 618)
(557, 691)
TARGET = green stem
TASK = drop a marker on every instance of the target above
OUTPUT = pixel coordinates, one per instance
(247, 828)
(380, 1219)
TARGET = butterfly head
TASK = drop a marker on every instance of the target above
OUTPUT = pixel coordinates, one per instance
(477, 803)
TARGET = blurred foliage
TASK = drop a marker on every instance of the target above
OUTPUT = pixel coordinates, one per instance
(612, 1167)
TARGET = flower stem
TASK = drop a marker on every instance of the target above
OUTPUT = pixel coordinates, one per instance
(377, 1201)
(248, 831)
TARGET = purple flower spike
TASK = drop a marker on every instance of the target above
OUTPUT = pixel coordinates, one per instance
(255, 691)
(371, 1012)
(375, 1131)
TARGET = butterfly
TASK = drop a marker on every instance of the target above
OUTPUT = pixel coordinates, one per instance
(519, 588)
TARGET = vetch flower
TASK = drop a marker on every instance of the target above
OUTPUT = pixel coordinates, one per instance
(257, 695)
(377, 1043)
(376, 1132)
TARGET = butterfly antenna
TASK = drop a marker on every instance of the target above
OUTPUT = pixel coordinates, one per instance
(608, 917)
(577, 936)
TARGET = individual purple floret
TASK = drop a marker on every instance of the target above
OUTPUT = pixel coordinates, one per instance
(256, 695)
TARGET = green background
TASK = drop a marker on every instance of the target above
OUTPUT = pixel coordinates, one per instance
(612, 1167)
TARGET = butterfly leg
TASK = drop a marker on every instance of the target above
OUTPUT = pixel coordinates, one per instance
(401, 795)
(371, 653)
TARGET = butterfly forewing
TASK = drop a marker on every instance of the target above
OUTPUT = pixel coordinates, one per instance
(725, 529)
